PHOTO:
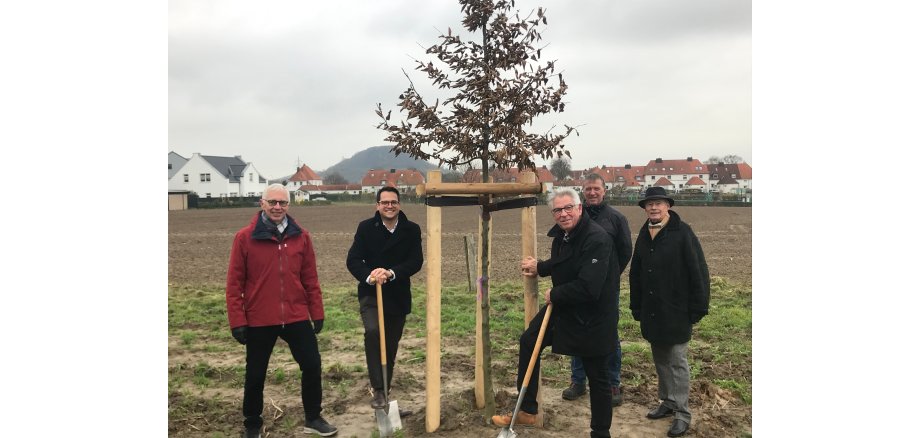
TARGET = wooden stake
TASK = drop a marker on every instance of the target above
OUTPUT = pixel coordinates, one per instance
(433, 318)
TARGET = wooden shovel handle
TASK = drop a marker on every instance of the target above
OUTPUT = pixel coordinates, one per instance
(536, 347)
(383, 344)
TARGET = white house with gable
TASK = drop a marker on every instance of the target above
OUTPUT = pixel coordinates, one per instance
(218, 177)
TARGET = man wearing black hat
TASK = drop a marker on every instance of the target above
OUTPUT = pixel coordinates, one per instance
(668, 293)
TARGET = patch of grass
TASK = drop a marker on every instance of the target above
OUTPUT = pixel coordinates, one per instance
(278, 375)
(188, 338)
(720, 350)
(741, 388)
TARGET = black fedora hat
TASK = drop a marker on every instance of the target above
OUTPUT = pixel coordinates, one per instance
(655, 193)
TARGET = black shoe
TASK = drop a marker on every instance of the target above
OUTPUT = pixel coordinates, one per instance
(678, 428)
(660, 412)
(320, 427)
(253, 433)
(379, 401)
(617, 395)
(574, 391)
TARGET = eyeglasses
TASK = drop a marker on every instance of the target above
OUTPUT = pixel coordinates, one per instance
(568, 209)
(273, 202)
(386, 203)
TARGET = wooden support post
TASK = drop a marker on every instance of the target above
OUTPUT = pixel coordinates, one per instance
(433, 318)
(489, 188)
(469, 243)
(532, 297)
(479, 389)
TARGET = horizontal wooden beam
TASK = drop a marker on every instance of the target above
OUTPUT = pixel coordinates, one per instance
(437, 188)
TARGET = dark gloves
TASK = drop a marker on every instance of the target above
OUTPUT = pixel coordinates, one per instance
(239, 334)
(696, 317)
(317, 326)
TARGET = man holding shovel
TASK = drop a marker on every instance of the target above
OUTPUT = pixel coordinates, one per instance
(387, 249)
(618, 227)
(583, 320)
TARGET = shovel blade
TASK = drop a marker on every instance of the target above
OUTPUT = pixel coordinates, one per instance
(388, 421)
(507, 432)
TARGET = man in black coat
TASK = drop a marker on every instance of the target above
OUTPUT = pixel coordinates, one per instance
(668, 293)
(387, 249)
(583, 321)
(617, 227)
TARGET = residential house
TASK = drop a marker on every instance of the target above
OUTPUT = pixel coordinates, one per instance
(218, 177)
(674, 175)
(404, 180)
(304, 176)
(176, 162)
(730, 178)
(629, 177)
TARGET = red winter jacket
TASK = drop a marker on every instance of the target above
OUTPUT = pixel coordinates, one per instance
(272, 279)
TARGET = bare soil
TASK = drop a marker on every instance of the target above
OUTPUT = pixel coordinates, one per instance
(199, 247)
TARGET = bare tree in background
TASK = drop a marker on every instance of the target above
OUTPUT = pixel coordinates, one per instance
(499, 86)
(334, 178)
(561, 168)
(728, 159)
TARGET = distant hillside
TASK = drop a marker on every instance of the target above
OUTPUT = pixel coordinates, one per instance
(375, 157)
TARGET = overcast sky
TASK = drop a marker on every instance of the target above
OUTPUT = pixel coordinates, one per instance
(281, 81)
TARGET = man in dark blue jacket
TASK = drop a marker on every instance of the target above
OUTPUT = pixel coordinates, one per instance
(387, 249)
(617, 227)
(583, 321)
(668, 293)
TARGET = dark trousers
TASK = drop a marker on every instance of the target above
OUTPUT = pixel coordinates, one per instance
(260, 341)
(595, 368)
(393, 326)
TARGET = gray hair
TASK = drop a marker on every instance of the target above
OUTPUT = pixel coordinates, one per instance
(276, 188)
(563, 191)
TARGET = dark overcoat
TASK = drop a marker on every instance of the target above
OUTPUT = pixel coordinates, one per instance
(583, 274)
(615, 223)
(375, 247)
(668, 282)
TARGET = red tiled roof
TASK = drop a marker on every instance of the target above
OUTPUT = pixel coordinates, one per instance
(612, 174)
(671, 167)
(305, 173)
(400, 177)
(663, 182)
(696, 181)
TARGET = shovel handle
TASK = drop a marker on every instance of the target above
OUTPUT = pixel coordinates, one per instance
(383, 344)
(536, 347)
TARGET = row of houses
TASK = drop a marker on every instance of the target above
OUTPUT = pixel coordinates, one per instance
(230, 177)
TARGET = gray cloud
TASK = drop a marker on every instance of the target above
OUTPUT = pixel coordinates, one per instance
(302, 79)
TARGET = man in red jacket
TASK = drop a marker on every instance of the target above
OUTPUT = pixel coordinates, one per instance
(273, 291)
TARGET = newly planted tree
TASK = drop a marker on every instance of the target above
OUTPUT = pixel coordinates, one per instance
(496, 85)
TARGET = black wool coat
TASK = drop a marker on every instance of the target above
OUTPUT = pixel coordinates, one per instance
(668, 282)
(375, 247)
(583, 272)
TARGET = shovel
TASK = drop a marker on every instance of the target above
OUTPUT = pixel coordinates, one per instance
(508, 431)
(388, 420)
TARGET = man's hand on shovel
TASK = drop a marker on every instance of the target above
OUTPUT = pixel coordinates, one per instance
(380, 275)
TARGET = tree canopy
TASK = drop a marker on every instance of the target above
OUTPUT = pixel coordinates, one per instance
(499, 87)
